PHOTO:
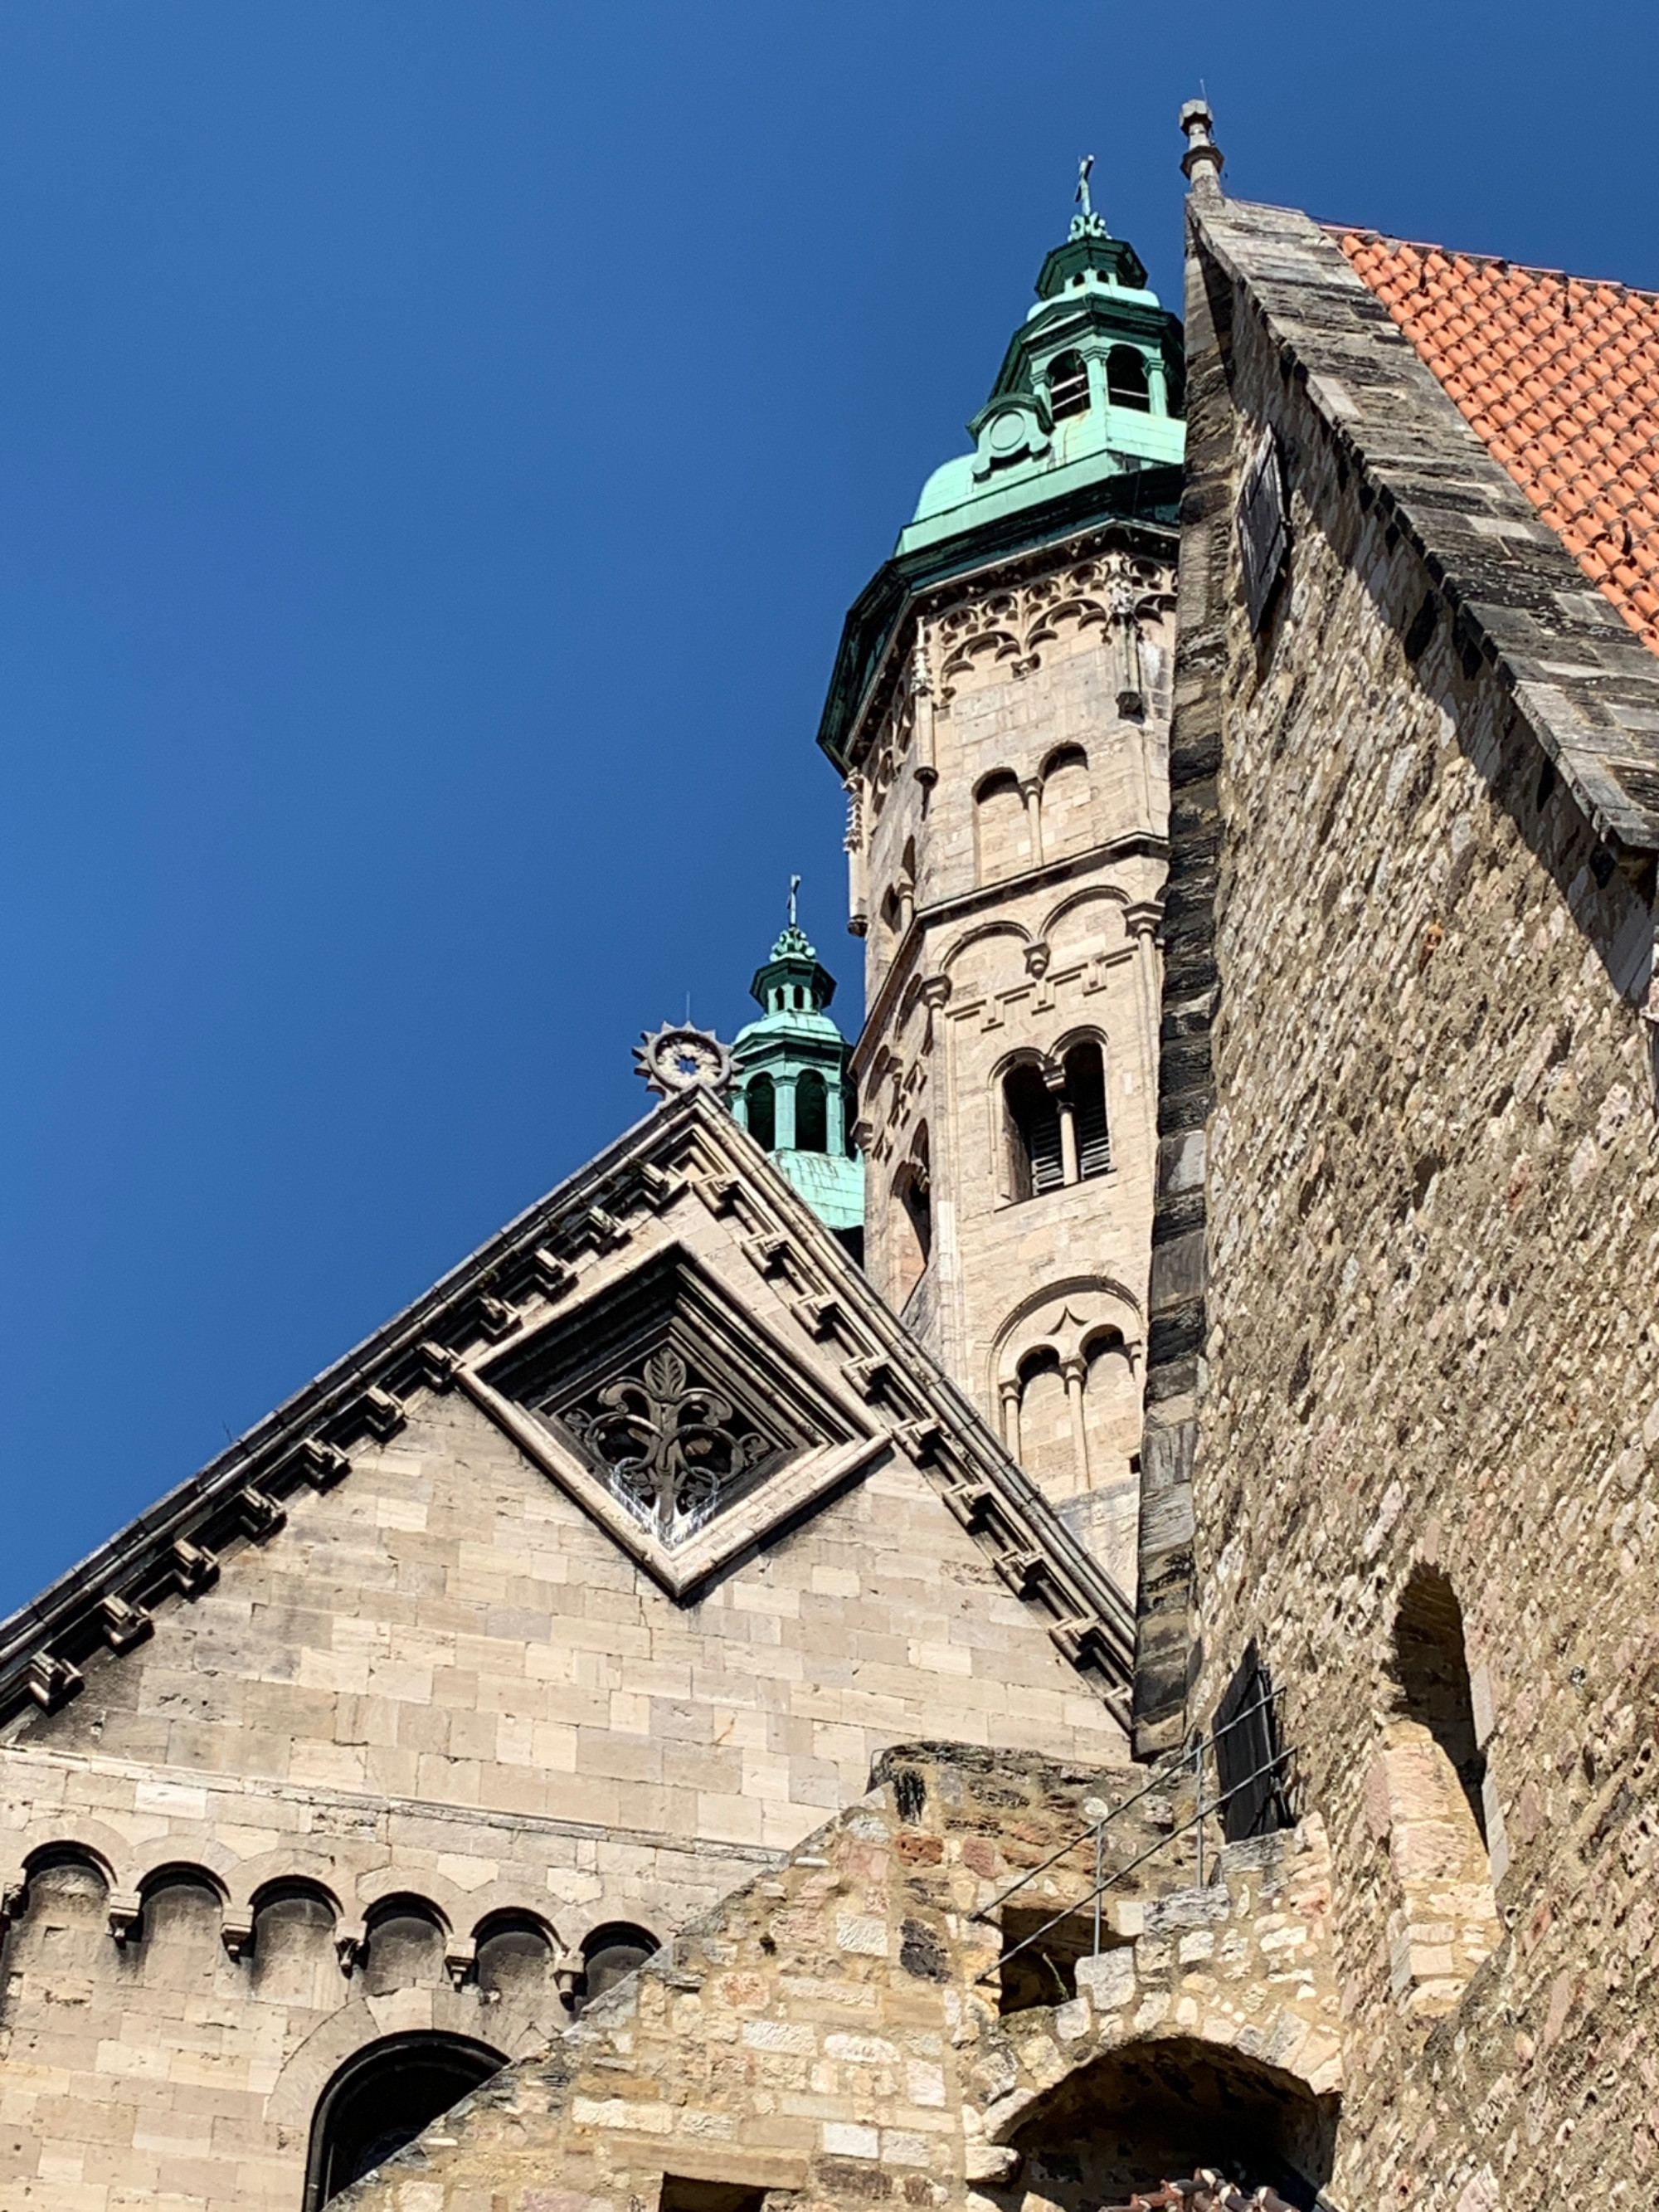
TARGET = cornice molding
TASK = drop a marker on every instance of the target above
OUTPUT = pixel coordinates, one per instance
(688, 1152)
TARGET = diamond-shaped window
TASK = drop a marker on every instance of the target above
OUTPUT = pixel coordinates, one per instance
(668, 1397)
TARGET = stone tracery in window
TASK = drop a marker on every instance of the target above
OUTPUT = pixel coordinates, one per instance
(667, 1443)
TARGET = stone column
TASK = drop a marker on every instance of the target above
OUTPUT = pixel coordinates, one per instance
(1009, 1393)
(1075, 1373)
(1032, 791)
(1141, 920)
(1055, 1077)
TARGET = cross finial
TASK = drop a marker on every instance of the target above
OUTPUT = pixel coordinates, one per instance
(1082, 192)
(794, 886)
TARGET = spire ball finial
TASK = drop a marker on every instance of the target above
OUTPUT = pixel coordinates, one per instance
(1201, 162)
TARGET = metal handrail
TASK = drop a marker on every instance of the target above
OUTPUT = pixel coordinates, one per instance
(1120, 1873)
(1175, 1761)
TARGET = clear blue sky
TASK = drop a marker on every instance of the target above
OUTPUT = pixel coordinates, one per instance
(437, 445)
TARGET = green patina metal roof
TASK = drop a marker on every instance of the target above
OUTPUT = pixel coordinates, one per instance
(795, 1038)
(1035, 474)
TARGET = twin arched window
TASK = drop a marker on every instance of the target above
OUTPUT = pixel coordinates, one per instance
(1056, 1134)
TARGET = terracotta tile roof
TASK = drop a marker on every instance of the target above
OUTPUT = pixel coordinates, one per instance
(1559, 377)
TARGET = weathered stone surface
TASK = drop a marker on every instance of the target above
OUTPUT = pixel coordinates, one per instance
(1431, 1221)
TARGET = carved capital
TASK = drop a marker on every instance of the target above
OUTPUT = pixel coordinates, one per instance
(460, 1959)
(350, 1944)
(1037, 957)
(935, 992)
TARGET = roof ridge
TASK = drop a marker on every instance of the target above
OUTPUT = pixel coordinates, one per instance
(1375, 237)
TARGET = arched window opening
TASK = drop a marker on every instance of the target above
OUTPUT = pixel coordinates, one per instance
(811, 1113)
(1126, 379)
(611, 1954)
(760, 1098)
(1069, 386)
(1068, 804)
(1032, 1116)
(1433, 1674)
(1431, 1778)
(1086, 1090)
(405, 1948)
(382, 2098)
(515, 1958)
(1002, 841)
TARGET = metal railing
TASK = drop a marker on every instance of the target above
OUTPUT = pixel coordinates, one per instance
(1189, 1757)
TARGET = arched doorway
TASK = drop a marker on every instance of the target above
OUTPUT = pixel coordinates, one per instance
(382, 2098)
(1157, 2111)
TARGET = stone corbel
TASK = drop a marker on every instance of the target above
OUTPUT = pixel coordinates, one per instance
(259, 1514)
(236, 1932)
(819, 1316)
(919, 1440)
(321, 1465)
(767, 1255)
(496, 1317)
(120, 1624)
(460, 1959)
(553, 1276)
(52, 1681)
(382, 1412)
(438, 1363)
(194, 1567)
(719, 1193)
(602, 1228)
(870, 1376)
(662, 1190)
(1021, 1571)
(970, 1503)
(125, 1909)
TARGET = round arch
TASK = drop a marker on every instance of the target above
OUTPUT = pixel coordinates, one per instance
(382, 2098)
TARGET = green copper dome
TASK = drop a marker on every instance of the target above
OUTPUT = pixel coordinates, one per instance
(1089, 388)
(791, 1089)
(1083, 427)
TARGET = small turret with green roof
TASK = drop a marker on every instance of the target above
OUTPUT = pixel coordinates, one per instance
(790, 1089)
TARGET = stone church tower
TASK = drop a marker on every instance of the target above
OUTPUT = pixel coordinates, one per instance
(1000, 710)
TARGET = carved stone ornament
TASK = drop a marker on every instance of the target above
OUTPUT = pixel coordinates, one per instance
(672, 1415)
(670, 1445)
(677, 1058)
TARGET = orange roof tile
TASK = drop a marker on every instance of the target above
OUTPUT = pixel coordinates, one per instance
(1559, 377)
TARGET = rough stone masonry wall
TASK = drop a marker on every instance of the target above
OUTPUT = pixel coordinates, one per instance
(1431, 1222)
(826, 2035)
